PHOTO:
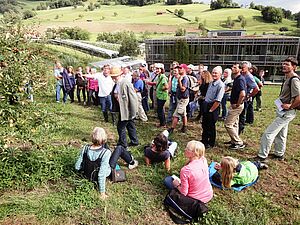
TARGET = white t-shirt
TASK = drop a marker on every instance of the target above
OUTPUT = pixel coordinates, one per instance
(105, 84)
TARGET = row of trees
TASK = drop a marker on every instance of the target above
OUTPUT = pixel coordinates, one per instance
(55, 4)
(75, 33)
(219, 4)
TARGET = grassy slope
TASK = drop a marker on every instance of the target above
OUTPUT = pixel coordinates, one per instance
(147, 15)
(64, 198)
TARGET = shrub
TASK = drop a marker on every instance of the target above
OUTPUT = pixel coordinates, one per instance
(75, 33)
(180, 12)
(28, 14)
(283, 29)
(180, 32)
(272, 14)
(241, 18)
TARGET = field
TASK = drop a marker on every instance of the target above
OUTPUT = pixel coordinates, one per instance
(40, 186)
(139, 19)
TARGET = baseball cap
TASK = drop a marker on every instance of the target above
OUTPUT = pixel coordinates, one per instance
(184, 66)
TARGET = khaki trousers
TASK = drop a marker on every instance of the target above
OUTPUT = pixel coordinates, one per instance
(232, 124)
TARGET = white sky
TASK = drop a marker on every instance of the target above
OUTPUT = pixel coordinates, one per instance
(293, 5)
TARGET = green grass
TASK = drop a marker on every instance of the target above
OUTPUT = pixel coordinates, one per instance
(146, 17)
(39, 185)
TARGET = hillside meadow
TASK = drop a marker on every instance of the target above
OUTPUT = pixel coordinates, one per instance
(39, 185)
(140, 19)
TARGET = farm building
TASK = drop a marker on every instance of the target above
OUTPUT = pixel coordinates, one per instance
(266, 52)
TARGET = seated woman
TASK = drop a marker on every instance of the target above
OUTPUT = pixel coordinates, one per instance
(96, 160)
(235, 173)
(161, 150)
(194, 176)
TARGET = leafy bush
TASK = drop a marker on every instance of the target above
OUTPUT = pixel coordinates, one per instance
(75, 33)
(180, 12)
(272, 14)
(219, 4)
(241, 18)
(283, 29)
(180, 32)
(28, 14)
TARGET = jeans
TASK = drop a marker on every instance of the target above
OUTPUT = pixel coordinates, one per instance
(209, 127)
(83, 93)
(172, 107)
(223, 103)
(242, 118)
(168, 182)
(58, 89)
(250, 112)
(92, 94)
(145, 104)
(71, 94)
(161, 112)
(276, 132)
(120, 151)
(130, 126)
(105, 103)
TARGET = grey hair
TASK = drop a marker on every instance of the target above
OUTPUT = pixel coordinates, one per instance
(219, 69)
(99, 136)
(249, 65)
(229, 71)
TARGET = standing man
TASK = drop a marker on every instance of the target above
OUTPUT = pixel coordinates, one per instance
(212, 101)
(105, 84)
(127, 99)
(237, 96)
(252, 90)
(290, 97)
(182, 95)
(173, 82)
(58, 70)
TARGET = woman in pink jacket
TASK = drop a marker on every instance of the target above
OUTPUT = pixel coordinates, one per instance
(194, 176)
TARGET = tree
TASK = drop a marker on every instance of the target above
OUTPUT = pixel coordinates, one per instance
(180, 12)
(229, 22)
(171, 2)
(129, 46)
(181, 53)
(272, 14)
(180, 32)
(282, 29)
(287, 14)
(28, 14)
(244, 23)
(197, 19)
(297, 18)
(240, 18)
(252, 5)
(185, 2)
(201, 26)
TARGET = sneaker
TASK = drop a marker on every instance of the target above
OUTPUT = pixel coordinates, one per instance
(134, 165)
(237, 146)
(277, 157)
(183, 129)
(132, 144)
(263, 166)
(260, 159)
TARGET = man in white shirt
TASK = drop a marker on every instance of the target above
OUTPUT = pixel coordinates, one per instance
(105, 84)
(127, 74)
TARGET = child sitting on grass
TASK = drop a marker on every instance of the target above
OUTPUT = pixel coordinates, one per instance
(161, 150)
(231, 172)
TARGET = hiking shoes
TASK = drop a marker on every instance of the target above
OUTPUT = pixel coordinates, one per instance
(277, 157)
(237, 146)
(263, 166)
(134, 165)
(260, 159)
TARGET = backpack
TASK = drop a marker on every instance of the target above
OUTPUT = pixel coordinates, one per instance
(144, 92)
(183, 209)
(290, 86)
(193, 87)
(91, 168)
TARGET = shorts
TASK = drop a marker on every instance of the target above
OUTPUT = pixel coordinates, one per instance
(180, 110)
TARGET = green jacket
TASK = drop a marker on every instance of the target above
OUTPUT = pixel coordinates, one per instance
(247, 174)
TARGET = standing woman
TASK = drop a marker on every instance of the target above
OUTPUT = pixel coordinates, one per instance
(93, 87)
(81, 85)
(205, 80)
(73, 83)
(161, 93)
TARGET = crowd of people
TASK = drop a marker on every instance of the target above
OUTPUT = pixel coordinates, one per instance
(126, 93)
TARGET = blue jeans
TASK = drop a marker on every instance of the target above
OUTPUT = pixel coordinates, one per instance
(145, 104)
(105, 103)
(59, 87)
(172, 107)
(223, 103)
(168, 182)
(120, 151)
(130, 126)
(161, 112)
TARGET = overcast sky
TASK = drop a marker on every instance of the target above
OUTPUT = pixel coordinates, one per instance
(293, 5)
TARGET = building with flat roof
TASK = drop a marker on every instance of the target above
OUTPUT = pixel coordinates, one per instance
(266, 52)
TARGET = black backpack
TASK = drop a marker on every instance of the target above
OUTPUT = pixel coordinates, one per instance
(183, 209)
(91, 168)
(144, 92)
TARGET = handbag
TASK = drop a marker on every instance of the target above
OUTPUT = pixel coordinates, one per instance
(184, 209)
(118, 175)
